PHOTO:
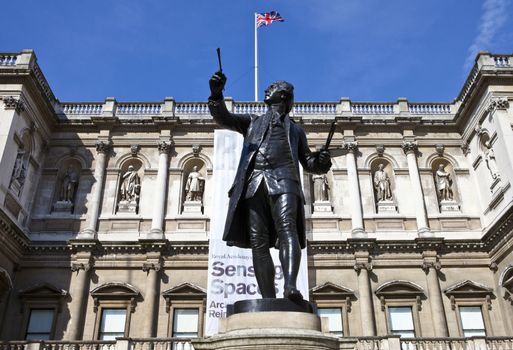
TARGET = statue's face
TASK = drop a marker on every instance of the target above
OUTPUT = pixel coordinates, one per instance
(130, 168)
(278, 92)
(380, 167)
(194, 168)
(441, 167)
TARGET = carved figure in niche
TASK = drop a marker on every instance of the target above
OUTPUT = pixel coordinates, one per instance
(131, 185)
(382, 184)
(20, 169)
(491, 162)
(443, 184)
(195, 186)
(69, 185)
(321, 188)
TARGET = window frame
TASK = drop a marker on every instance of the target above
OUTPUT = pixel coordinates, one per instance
(114, 295)
(185, 296)
(107, 306)
(414, 315)
(460, 321)
(343, 315)
(52, 327)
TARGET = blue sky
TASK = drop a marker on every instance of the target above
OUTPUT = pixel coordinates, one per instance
(367, 50)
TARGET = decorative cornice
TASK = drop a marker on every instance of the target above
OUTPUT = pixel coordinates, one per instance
(76, 266)
(409, 147)
(103, 146)
(426, 265)
(12, 103)
(497, 103)
(165, 146)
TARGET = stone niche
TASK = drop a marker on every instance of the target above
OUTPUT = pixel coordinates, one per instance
(67, 184)
(193, 187)
(444, 176)
(383, 184)
(129, 186)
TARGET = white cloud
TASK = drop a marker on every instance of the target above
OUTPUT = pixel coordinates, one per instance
(494, 17)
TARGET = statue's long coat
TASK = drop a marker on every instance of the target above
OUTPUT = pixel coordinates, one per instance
(253, 127)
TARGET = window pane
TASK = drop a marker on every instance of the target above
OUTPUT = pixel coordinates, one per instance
(112, 324)
(40, 324)
(401, 321)
(334, 316)
(472, 321)
(185, 323)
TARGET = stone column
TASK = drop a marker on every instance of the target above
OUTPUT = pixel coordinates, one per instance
(431, 267)
(410, 149)
(362, 268)
(354, 188)
(80, 292)
(159, 205)
(102, 148)
(498, 109)
(151, 297)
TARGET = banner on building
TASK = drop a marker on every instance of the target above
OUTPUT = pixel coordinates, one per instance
(231, 276)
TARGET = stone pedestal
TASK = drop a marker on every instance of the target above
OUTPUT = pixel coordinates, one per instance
(449, 206)
(386, 207)
(192, 208)
(63, 207)
(269, 330)
(127, 207)
(322, 207)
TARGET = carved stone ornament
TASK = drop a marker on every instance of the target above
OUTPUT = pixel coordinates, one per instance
(196, 150)
(409, 147)
(13, 103)
(439, 149)
(380, 149)
(498, 103)
(80, 266)
(465, 148)
(103, 146)
(426, 265)
(362, 266)
(151, 266)
(165, 146)
(134, 149)
(351, 146)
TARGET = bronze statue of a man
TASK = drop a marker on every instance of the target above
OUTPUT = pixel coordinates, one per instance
(266, 200)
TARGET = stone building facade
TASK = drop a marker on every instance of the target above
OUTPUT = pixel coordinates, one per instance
(105, 211)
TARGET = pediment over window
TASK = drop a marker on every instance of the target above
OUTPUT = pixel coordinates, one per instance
(42, 295)
(399, 289)
(506, 279)
(185, 292)
(331, 290)
(467, 289)
(5, 280)
(123, 294)
(115, 289)
(43, 290)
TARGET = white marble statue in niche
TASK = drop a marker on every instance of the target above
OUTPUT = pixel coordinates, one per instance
(491, 162)
(321, 188)
(195, 186)
(67, 191)
(19, 172)
(444, 184)
(382, 184)
(129, 191)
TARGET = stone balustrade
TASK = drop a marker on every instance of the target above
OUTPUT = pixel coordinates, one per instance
(344, 108)
(355, 343)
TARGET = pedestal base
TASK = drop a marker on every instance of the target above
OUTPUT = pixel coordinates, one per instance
(269, 330)
(386, 207)
(192, 208)
(63, 207)
(449, 206)
(322, 207)
(127, 207)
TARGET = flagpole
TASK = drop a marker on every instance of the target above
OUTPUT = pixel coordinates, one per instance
(256, 59)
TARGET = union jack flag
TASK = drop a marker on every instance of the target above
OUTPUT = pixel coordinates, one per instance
(264, 19)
